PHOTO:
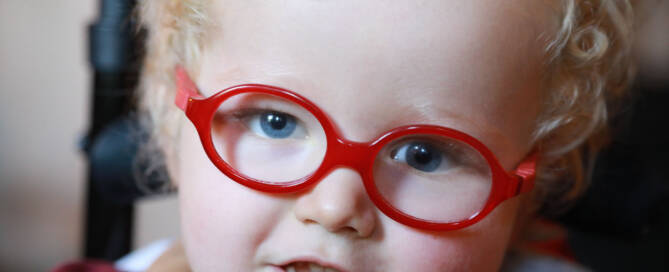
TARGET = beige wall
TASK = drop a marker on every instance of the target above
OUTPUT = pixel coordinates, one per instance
(43, 111)
(44, 93)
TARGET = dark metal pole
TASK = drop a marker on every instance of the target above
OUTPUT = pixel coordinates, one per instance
(114, 59)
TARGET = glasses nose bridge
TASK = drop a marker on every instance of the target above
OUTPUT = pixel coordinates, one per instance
(351, 154)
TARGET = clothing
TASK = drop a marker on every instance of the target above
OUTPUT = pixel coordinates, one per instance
(173, 260)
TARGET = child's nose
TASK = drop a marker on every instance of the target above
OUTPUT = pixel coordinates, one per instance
(338, 203)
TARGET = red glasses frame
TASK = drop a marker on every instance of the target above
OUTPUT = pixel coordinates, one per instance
(342, 152)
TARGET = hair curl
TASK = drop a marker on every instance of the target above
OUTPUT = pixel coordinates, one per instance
(590, 68)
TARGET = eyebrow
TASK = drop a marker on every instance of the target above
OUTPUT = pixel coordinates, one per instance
(407, 114)
(237, 75)
(429, 114)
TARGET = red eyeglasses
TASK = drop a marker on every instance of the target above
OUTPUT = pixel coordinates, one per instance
(276, 141)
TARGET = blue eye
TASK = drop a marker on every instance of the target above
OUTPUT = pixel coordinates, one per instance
(277, 125)
(419, 155)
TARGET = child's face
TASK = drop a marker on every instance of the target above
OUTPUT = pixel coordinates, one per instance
(474, 66)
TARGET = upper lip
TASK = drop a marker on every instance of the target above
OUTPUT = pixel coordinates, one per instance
(312, 259)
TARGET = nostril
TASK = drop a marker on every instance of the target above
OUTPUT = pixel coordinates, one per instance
(331, 226)
(309, 221)
(346, 229)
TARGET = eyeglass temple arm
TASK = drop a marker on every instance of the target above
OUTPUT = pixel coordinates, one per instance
(526, 172)
(186, 89)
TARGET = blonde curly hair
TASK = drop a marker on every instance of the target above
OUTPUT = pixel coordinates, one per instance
(588, 60)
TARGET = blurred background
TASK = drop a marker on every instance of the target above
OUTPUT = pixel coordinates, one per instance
(48, 129)
(46, 90)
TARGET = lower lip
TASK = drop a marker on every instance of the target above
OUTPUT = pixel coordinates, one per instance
(274, 268)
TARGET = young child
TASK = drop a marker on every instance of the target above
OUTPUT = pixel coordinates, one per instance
(376, 135)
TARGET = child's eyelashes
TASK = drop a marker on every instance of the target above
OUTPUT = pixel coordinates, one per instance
(420, 155)
(275, 125)
(263, 128)
(271, 124)
(434, 156)
(423, 155)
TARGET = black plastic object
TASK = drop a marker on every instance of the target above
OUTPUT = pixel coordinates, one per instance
(118, 172)
(115, 61)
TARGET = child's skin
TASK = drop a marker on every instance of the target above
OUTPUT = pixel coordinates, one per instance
(372, 65)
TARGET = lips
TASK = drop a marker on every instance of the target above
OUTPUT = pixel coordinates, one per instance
(310, 265)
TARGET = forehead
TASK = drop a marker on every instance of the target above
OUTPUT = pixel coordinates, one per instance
(457, 63)
(342, 33)
(383, 36)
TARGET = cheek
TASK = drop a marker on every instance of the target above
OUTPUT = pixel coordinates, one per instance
(480, 247)
(213, 208)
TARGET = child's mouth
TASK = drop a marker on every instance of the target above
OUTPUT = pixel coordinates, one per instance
(307, 267)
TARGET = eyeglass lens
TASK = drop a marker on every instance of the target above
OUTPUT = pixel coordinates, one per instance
(268, 138)
(433, 177)
(272, 139)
